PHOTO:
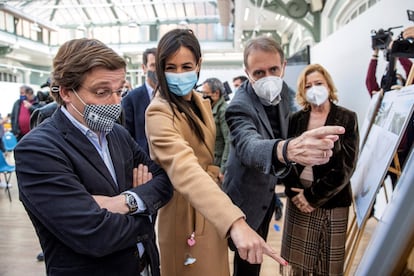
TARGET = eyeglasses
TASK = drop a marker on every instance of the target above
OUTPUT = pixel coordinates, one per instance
(105, 93)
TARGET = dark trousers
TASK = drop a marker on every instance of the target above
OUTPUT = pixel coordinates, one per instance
(244, 268)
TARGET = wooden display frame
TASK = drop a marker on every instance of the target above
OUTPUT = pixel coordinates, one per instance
(355, 233)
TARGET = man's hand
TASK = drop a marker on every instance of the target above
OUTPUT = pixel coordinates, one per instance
(300, 201)
(116, 204)
(141, 175)
(250, 245)
(408, 33)
(313, 147)
(379, 91)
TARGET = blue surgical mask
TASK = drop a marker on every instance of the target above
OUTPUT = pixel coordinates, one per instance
(181, 84)
(23, 98)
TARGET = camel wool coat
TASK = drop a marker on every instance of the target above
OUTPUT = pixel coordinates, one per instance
(198, 204)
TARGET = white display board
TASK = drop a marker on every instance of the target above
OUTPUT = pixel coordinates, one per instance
(391, 242)
(381, 144)
(369, 118)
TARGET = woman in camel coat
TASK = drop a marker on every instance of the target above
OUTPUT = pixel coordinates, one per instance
(180, 128)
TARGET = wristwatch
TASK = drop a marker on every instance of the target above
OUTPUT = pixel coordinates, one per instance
(131, 202)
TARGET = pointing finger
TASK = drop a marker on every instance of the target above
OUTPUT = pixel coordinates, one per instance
(267, 250)
(326, 131)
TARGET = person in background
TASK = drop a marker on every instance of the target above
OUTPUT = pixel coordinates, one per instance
(88, 188)
(193, 226)
(397, 79)
(213, 90)
(319, 195)
(237, 81)
(22, 110)
(137, 100)
(127, 88)
(260, 152)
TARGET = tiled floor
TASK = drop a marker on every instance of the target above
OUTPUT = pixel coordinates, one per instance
(19, 244)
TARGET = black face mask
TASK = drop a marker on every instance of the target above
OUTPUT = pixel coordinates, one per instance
(152, 76)
(208, 97)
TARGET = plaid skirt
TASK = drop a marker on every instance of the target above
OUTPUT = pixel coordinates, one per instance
(314, 243)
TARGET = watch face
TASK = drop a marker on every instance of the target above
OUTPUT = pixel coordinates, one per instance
(131, 202)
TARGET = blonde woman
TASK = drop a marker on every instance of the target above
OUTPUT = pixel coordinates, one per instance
(319, 196)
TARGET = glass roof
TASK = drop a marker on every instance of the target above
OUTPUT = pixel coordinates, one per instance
(70, 14)
(130, 26)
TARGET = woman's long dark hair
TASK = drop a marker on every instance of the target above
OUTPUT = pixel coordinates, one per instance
(169, 44)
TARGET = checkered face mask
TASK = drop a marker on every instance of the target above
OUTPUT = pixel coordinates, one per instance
(100, 118)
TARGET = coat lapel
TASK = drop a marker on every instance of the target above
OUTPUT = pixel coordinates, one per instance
(147, 98)
(333, 118)
(284, 111)
(115, 150)
(84, 147)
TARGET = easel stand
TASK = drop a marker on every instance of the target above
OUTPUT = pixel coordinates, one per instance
(355, 234)
(354, 237)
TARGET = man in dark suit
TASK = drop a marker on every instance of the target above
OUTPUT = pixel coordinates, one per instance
(136, 101)
(260, 153)
(88, 188)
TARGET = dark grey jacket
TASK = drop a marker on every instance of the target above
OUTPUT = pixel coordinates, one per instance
(251, 174)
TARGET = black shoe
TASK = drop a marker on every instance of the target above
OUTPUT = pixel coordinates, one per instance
(40, 257)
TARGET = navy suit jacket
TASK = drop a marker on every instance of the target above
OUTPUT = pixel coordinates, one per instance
(58, 170)
(134, 105)
(251, 174)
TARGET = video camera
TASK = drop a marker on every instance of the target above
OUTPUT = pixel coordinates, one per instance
(381, 39)
(44, 95)
(227, 91)
(404, 47)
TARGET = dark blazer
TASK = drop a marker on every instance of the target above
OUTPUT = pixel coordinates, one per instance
(251, 174)
(331, 187)
(134, 105)
(58, 170)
